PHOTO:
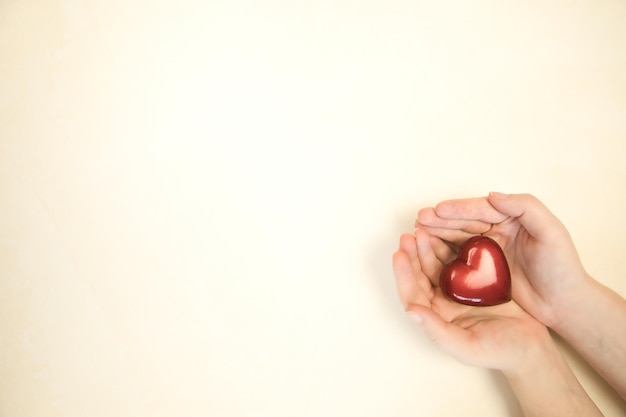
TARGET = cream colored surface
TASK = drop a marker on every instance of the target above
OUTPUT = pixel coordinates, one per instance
(199, 200)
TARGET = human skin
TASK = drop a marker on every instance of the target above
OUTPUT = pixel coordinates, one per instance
(502, 337)
(549, 280)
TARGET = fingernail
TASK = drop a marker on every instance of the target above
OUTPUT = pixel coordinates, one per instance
(415, 317)
(497, 195)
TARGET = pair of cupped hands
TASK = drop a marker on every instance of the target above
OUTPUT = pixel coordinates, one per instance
(546, 275)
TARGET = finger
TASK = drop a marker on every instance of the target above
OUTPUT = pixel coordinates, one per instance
(407, 283)
(408, 244)
(450, 338)
(536, 218)
(430, 263)
(428, 217)
(442, 250)
(478, 209)
(456, 237)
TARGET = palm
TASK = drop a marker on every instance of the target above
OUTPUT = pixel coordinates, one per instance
(491, 335)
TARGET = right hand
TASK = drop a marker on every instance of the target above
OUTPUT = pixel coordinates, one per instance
(545, 268)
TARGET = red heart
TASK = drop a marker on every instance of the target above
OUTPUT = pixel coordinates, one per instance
(480, 275)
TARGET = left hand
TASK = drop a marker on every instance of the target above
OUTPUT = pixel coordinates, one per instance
(500, 337)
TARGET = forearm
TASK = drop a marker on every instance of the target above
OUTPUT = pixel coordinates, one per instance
(545, 386)
(595, 325)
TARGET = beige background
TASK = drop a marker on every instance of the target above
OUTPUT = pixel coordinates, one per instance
(199, 200)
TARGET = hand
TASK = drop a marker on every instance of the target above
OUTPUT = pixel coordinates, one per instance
(501, 337)
(545, 268)
(546, 273)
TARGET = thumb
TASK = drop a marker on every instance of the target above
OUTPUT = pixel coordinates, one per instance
(450, 338)
(531, 213)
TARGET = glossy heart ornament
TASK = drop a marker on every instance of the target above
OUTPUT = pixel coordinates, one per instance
(480, 275)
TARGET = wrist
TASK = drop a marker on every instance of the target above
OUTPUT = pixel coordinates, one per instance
(545, 385)
(568, 304)
(540, 352)
(593, 324)
(571, 304)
